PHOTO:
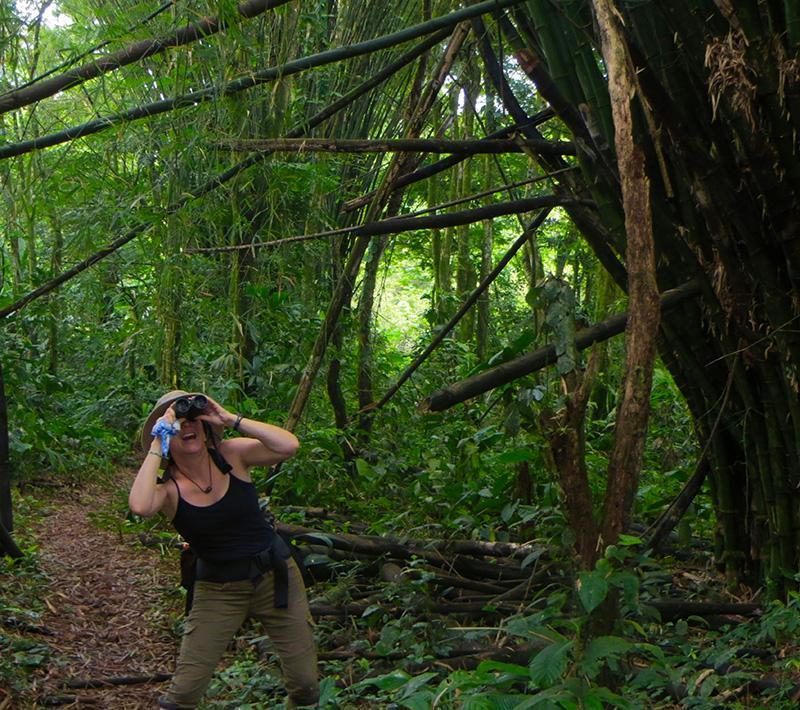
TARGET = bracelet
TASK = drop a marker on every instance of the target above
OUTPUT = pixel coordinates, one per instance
(238, 421)
(154, 453)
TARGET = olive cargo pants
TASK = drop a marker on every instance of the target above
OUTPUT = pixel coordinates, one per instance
(219, 609)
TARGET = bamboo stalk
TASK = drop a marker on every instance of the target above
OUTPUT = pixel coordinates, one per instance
(584, 219)
(354, 145)
(227, 175)
(519, 367)
(213, 93)
(134, 52)
(6, 508)
(396, 225)
(468, 303)
(74, 60)
(444, 164)
(343, 288)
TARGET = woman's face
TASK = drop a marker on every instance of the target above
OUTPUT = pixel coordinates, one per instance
(191, 439)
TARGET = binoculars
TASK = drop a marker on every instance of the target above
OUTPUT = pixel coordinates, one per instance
(190, 407)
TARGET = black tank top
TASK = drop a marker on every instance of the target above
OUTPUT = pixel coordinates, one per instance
(233, 528)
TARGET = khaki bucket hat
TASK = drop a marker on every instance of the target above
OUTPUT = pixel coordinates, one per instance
(160, 407)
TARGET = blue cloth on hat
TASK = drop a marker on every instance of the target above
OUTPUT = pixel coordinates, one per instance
(166, 432)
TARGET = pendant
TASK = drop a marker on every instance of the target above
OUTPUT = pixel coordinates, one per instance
(208, 489)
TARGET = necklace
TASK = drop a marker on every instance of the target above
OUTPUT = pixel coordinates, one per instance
(209, 487)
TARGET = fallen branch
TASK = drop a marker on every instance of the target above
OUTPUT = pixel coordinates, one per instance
(395, 225)
(79, 683)
(472, 609)
(670, 609)
(519, 367)
(415, 145)
(377, 545)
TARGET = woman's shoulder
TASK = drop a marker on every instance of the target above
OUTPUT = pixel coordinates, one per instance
(230, 450)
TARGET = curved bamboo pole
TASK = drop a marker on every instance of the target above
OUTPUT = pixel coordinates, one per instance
(212, 93)
(17, 98)
(227, 175)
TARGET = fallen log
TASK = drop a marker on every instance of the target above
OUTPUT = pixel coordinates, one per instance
(473, 609)
(391, 572)
(670, 609)
(503, 653)
(376, 544)
(375, 547)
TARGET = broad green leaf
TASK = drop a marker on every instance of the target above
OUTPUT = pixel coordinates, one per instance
(592, 590)
(628, 540)
(415, 683)
(550, 663)
(390, 681)
(493, 701)
(364, 469)
(517, 455)
(421, 700)
(510, 668)
(604, 650)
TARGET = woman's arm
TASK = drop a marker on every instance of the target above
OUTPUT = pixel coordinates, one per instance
(148, 497)
(261, 444)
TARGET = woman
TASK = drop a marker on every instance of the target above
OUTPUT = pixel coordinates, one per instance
(244, 569)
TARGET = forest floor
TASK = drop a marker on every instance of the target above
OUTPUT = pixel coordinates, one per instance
(107, 608)
(93, 604)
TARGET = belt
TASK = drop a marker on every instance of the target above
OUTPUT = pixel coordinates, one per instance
(253, 568)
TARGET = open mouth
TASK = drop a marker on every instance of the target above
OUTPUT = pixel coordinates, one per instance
(188, 436)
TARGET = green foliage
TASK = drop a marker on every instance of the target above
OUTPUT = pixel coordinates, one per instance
(22, 583)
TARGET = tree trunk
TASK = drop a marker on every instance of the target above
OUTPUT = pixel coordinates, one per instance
(344, 287)
(6, 510)
(482, 324)
(55, 315)
(365, 335)
(644, 311)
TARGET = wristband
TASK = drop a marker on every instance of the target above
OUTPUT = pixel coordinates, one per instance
(154, 453)
(238, 421)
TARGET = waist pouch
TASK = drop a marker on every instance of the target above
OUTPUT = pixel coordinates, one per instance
(272, 558)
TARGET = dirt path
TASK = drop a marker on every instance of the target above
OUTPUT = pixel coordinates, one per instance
(109, 609)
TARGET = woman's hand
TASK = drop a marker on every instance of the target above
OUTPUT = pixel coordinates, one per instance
(217, 415)
(169, 417)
